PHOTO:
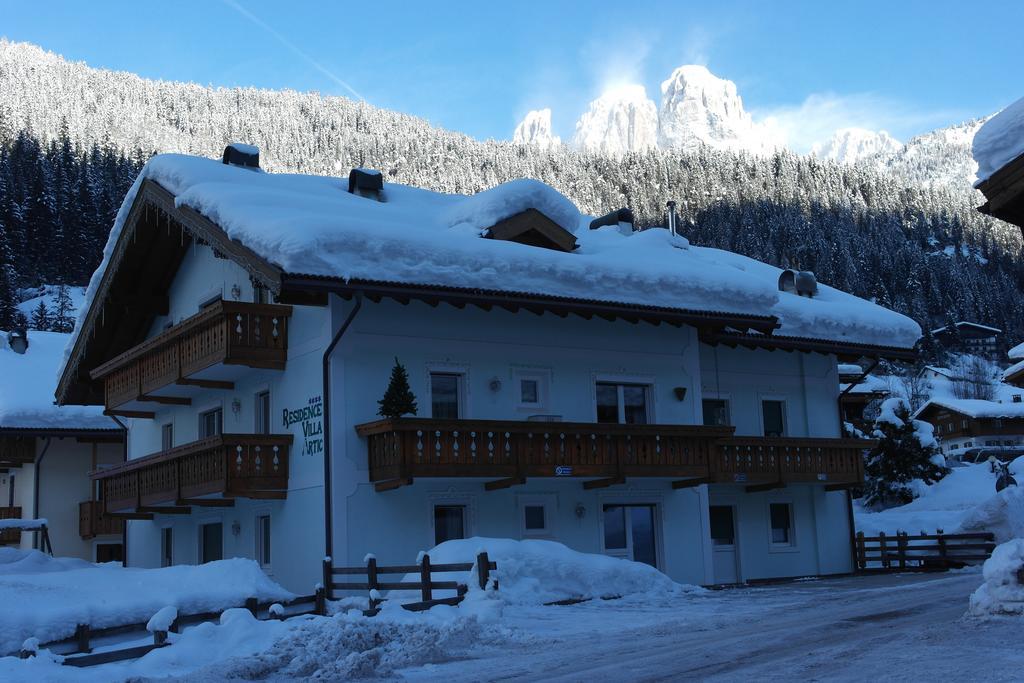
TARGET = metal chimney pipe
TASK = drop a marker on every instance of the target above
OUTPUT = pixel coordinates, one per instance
(672, 228)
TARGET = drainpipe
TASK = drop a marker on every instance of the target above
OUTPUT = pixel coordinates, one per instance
(328, 526)
(124, 458)
(35, 487)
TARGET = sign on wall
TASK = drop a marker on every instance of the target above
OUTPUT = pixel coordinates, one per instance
(311, 417)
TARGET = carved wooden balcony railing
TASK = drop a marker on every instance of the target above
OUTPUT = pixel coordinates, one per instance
(92, 522)
(411, 447)
(768, 460)
(10, 535)
(402, 449)
(226, 332)
(225, 466)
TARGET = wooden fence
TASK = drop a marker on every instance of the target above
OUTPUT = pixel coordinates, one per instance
(426, 584)
(924, 552)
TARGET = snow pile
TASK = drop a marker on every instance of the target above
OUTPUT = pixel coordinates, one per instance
(162, 620)
(1000, 140)
(486, 208)
(26, 401)
(68, 592)
(1002, 514)
(1003, 590)
(310, 225)
(534, 572)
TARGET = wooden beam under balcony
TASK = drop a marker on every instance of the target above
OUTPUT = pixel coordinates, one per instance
(206, 502)
(690, 483)
(769, 486)
(206, 384)
(505, 483)
(135, 414)
(603, 483)
(391, 485)
(165, 400)
(165, 510)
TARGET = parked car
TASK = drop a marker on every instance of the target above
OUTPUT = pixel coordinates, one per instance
(977, 455)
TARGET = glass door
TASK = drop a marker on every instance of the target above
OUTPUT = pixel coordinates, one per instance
(629, 532)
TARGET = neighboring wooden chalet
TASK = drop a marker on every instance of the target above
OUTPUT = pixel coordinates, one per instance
(857, 391)
(973, 338)
(622, 392)
(963, 424)
(47, 452)
(999, 151)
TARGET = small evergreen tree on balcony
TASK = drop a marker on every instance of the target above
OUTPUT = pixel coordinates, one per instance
(905, 457)
(398, 399)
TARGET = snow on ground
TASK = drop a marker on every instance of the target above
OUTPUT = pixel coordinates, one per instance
(46, 597)
(944, 505)
(1003, 590)
(1000, 140)
(33, 373)
(48, 295)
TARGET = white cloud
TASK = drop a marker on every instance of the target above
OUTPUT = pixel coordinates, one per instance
(813, 121)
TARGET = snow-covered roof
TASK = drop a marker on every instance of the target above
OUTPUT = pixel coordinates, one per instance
(964, 323)
(850, 369)
(26, 401)
(1014, 369)
(311, 226)
(1000, 140)
(869, 385)
(1016, 353)
(976, 408)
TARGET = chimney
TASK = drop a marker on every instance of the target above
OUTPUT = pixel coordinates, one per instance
(18, 340)
(366, 182)
(240, 154)
(673, 227)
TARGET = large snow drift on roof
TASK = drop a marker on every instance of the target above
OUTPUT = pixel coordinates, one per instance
(311, 225)
(26, 399)
(1000, 140)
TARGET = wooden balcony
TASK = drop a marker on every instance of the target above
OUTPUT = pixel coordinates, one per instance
(605, 454)
(10, 536)
(203, 351)
(206, 472)
(92, 521)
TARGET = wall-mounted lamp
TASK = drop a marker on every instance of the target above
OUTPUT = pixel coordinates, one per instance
(236, 292)
(236, 528)
(680, 393)
(580, 511)
(495, 384)
(236, 406)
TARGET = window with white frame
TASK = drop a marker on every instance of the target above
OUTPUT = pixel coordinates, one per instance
(781, 518)
(449, 523)
(262, 413)
(535, 514)
(716, 412)
(622, 403)
(773, 417)
(531, 390)
(446, 389)
(211, 542)
(211, 423)
(263, 540)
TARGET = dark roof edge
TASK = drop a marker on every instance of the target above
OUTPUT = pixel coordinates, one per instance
(826, 346)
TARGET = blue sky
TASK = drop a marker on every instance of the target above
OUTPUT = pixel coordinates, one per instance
(477, 67)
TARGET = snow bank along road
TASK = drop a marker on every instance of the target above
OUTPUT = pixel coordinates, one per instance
(906, 627)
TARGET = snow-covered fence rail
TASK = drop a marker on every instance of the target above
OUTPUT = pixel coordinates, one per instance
(924, 552)
(426, 584)
(85, 638)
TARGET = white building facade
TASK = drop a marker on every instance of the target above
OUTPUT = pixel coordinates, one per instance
(658, 435)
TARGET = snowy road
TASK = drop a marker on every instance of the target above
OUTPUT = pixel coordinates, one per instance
(867, 628)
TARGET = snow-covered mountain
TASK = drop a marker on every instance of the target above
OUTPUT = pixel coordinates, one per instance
(940, 158)
(850, 145)
(535, 129)
(621, 120)
(698, 107)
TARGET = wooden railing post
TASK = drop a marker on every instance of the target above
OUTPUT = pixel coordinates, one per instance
(943, 557)
(327, 580)
(881, 549)
(901, 548)
(861, 555)
(425, 578)
(371, 581)
(82, 638)
(483, 569)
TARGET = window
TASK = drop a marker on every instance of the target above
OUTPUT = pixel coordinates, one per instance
(262, 413)
(445, 395)
(167, 437)
(782, 523)
(534, 519)
(529, 391)
(259, 294)
(263, 540)
(211, 542)
(723, 529)
(773, 414)
(716, 412)
(449, 523)
(166, 547)
(1016, 398)
(622, 403)
(210, 423)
